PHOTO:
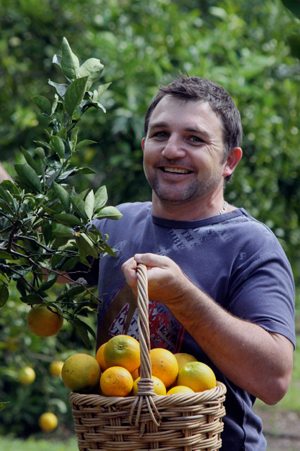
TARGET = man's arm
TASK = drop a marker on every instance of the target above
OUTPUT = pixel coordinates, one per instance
(4, 175)
(252, 358)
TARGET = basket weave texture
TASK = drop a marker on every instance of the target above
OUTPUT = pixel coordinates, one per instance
(179, 422)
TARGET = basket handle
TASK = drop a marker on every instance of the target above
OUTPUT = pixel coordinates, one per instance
(145, 384)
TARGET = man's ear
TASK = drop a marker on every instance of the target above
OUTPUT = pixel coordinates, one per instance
(143, 143)
(232, 161)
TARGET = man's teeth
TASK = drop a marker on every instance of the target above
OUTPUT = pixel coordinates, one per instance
(176, 170)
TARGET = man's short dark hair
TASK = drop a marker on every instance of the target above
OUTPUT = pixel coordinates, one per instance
(197, 88)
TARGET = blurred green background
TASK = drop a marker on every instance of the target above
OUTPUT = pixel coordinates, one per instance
(251, 48)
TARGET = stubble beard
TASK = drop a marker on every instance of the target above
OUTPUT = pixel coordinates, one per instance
(178, 196)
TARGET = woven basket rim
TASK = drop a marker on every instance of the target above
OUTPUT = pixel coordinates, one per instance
(191, 398)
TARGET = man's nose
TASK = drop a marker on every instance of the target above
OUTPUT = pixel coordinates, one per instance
(173, 148)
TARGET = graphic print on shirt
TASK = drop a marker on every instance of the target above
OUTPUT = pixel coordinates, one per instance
(121, 318)
(188, 239)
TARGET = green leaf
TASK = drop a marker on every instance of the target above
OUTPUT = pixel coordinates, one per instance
(63, 231)
(61, 88)
(57, 146)
(4, 254)
(293, 6)
(6, 196)
(30, 160)
(62, 195)
(75, 94)
(79, 207)
(48, 283)
(85, 143)
(4, 294)
(109, 213)
(101, 197)
(29, 177)
(43, 104)
(67, 219)
(82, 330)
(69, 61)
(99, 91)
(89, 204)
(86, 247)
(31, 299)
(3, 405)
(91, 68)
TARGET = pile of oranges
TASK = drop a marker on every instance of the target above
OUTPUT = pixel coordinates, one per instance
(115, 371)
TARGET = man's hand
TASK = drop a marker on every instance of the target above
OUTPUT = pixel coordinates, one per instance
(166, 281)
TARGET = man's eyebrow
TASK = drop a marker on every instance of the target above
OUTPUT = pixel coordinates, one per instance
(163, 124)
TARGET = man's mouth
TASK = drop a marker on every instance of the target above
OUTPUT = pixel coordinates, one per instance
(175, 170)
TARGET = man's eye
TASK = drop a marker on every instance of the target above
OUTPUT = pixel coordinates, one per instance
(160, 134)
(195, 139)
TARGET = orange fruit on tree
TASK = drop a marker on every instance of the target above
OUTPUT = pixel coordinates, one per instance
(81, 373)
(197, 375)
(122, 350)
(116, 381)
(48, 421)
(100, 357)
(44, 321)
(179, 389)
(183, 358)
(56, 367)
(164, 365)
(26, 375)
(158, 386)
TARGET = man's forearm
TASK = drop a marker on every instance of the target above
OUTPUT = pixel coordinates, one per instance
(248, 355)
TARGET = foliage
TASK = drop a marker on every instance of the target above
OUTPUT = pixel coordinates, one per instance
(247, 47)
(46, 224)
(20, 348)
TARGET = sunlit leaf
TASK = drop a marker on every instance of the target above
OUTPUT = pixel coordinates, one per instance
(91, 68)
(89, 204)
(109, 213)
(69, 61)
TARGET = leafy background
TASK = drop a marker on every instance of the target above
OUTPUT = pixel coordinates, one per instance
(251, 48)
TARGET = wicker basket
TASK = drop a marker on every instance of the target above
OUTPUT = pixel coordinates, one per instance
(180, 422)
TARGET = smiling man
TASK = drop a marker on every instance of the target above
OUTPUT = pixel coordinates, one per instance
(220, 285)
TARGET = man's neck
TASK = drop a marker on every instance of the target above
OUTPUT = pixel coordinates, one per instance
(189, 211)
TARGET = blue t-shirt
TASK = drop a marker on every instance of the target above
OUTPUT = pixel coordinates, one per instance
(233, 258)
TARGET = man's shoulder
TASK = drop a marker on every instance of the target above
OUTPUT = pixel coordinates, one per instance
(132, 213)
(135, 208)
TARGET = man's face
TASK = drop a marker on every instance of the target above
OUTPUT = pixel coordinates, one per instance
(184, 151)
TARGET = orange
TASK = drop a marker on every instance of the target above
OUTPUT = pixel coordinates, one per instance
(26, 375)
(164, 365)
(122, 350)
(135, 374)
(183, 358)
(197, 376)
(158, 386)
(44, 321)
(56, 367)
(48, 421)
(179, 389)
(100, 357)
(81, 373)
(116, 381)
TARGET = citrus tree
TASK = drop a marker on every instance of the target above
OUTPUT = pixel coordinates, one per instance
(46, 224)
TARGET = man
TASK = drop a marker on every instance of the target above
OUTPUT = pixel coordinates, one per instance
(220, 285)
